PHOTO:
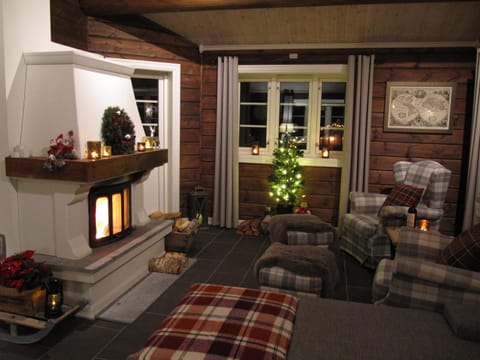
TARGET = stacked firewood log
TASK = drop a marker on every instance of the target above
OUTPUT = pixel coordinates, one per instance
(249, 228)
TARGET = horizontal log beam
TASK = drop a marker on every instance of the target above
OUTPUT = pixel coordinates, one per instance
(115, 7)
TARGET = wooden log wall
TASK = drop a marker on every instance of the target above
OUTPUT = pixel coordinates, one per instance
(448, 149)
(322, 188)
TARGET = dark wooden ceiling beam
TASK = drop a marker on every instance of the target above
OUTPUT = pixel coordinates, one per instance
(135, 7)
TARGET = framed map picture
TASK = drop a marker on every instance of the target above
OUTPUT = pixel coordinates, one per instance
(419, 107)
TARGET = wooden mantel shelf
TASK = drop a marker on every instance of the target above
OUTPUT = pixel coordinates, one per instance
(86, 171)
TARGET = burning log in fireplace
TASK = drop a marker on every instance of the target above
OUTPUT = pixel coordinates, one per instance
(109, 213)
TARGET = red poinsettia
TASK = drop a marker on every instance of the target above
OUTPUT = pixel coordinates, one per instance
(20, 271)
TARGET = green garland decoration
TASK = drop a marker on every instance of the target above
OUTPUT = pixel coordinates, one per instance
(118, 131)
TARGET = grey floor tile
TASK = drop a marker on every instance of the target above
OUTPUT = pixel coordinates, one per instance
(170, 298)
(132, 338)
(232, 278)
(215, 250)
(201, 270)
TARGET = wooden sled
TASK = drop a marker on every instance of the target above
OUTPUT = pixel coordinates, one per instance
(42, 325)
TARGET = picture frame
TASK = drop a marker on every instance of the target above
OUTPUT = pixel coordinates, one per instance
(424, 107)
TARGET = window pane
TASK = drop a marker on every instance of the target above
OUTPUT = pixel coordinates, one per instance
(253, 113)
(294, 109)
(249, 135)
(332, 115)
(146, 96)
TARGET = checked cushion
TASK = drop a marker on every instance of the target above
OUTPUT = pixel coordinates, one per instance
(403, 195)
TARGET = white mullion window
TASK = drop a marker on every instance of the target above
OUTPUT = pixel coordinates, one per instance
(310, 98)
(253, 114)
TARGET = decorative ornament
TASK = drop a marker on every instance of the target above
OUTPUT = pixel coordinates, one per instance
(60, 148)
(118, 131)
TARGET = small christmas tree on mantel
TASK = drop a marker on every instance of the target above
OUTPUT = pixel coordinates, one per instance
(286, 181)
(118, 131)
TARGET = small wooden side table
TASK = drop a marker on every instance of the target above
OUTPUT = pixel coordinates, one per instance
(393, 233)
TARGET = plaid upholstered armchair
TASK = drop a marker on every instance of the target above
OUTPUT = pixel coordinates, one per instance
(362, 230)
(418, 278)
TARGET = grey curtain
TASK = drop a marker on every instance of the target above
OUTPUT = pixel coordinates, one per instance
(225, 197)
(359, 111)
(472, 194)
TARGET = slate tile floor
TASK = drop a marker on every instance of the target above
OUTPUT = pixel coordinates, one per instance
(222, 257)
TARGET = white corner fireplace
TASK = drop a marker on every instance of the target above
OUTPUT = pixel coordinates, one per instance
(56, 220)
(98, 258)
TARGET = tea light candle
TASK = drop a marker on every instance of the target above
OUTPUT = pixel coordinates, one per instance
(94, 149)
(141, 146)
(106, 151)
(423, 224)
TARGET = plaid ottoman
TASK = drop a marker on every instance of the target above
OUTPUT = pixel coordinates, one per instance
(299, 229)
(298, 270)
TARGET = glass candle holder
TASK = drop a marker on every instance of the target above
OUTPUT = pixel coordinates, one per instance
(140, 146)
(424, 224)
(94, 149)
(106, 151)
(150, 143)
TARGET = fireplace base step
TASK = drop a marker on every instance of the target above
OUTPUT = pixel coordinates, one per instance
(110, 271)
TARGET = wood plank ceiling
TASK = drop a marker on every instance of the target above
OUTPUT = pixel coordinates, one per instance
(275, 24)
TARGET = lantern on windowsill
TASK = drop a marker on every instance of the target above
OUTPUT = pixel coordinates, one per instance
(53, 298)
(325, 146)
(255, 148)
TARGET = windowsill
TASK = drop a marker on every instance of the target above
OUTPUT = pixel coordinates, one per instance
(304, 161)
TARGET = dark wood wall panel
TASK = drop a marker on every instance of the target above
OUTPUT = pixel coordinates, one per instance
(322, 187)
(208, 129)
(387, 147)
(68, 24)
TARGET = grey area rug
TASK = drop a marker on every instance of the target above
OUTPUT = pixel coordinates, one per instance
(131, 305)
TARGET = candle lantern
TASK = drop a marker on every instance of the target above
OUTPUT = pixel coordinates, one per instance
(424, 224)
(106, 151)
(150, 143)
(255, 148)
(197, 205)
(140, 146)
(53, 298)
(94, 149)
(325, 146)
(325, 153)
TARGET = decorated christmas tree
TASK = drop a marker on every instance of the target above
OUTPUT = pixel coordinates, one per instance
(286, 181)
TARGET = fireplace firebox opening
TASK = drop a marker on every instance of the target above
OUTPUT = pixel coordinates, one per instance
(109, 209)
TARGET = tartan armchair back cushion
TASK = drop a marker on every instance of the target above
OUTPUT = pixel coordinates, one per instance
(403, 195)
(430, 175)
(464, 250)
